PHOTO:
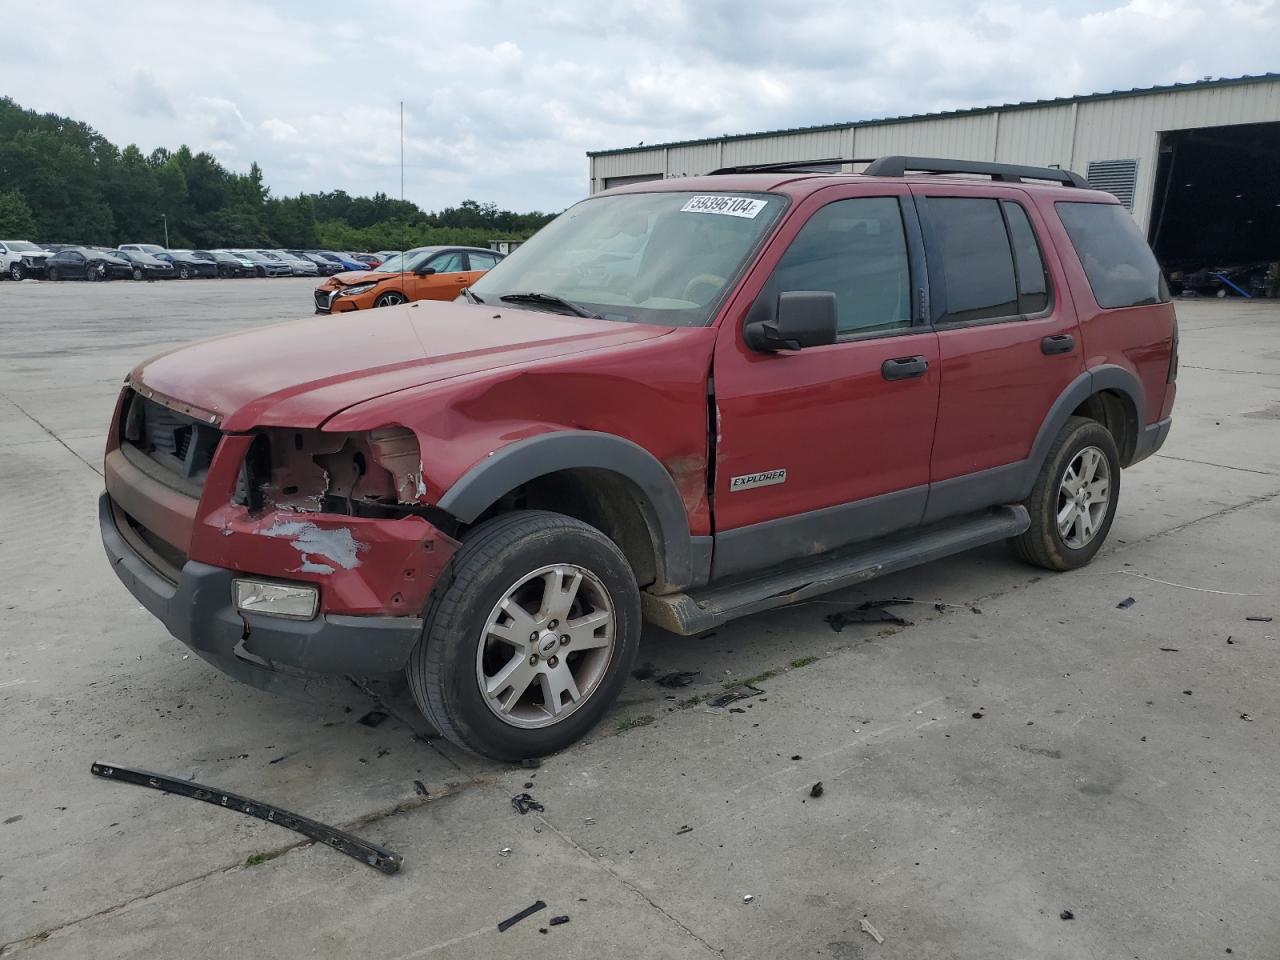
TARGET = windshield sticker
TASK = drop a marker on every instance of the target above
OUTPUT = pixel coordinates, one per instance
(726, 206)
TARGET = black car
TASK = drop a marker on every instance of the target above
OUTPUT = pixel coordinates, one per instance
(83, 263)
(145, 266)
(229, 265)
(189, 265)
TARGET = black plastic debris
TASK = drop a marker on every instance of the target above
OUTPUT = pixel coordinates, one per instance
(1066, 915)
(646, 671)
(528, 785)
(1126, 603)
(737, 693)
(523, 803)
(873, 611)
(817, 790)
(1246, 717)
(373, 718)
(528, 911)
(1258, 619)
(420, 788)
(978, 715)
(557, 921)
(1168, 649)
(685, 829)
(796, 756)
(736, 710)
(680, 678)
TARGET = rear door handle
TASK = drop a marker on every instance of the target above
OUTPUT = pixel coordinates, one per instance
(904, 368)
(1062, 343)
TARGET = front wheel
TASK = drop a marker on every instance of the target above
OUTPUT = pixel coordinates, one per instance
(53, 274)
(528, 638)
(184, 272)
(137, 273)
(15, 272)
(390, 299)
(1074, 498)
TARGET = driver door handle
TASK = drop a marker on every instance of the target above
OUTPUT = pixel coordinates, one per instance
(1062, 343)
(904, 368)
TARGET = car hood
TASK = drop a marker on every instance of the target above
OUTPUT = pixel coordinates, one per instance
(299, 374)
(350, 278)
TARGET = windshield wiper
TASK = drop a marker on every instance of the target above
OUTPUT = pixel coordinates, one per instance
(466, 292)
(551, 300)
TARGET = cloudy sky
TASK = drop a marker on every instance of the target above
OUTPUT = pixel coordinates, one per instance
(504, 97)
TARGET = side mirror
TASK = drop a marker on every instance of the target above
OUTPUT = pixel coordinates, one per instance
(800, 318)
(425, 271)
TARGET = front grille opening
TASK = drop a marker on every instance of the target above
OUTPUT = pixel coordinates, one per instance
(183, 446)
(162, 556)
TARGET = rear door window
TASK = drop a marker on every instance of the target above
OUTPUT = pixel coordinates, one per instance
(856, 249)
(448, 263)
(1121, 268)
(1033, 279)
(977, 261)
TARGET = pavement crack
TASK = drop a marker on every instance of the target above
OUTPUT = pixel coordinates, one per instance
(1223, 466)
(21, 409)
(602, 865)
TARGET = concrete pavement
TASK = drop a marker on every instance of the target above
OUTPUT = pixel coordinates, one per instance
(982, 772)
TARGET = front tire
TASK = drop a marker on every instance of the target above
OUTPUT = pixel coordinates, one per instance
(15, 272)
(528, 638)
(391, 298)
(53, 274)
(137, 273)
(184, 272)
(1073, 502)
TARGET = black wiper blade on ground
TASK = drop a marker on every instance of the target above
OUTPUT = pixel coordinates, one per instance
(551, 300)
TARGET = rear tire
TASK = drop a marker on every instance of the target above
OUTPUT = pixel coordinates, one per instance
(520, 585)
(1073, 502)
(184, 272)
(53, 274)
(137, 273)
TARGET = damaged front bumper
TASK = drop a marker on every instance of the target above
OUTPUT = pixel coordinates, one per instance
(271, 653)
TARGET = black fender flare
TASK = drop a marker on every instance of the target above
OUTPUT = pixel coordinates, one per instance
(1105, 377)
(518, 463)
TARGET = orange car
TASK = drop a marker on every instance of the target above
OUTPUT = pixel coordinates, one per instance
(426, 273)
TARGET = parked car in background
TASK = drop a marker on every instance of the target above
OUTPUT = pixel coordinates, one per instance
(231, 264)
(85, 263)
(264, 266)
(368, 259)
(346, 261)
(147, 267)
(427, 273)
(188, 264)
(301, 266)
(20, 259)
(385, 255)
(151, 248)
(325, 268)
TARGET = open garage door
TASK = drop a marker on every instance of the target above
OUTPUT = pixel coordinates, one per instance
(1215, 222)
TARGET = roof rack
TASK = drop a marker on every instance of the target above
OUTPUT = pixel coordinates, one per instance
(899, 166)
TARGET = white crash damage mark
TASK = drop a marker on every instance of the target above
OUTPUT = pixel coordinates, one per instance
(422, 480)
(337, 545)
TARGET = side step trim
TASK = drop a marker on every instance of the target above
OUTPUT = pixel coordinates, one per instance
(690, 613)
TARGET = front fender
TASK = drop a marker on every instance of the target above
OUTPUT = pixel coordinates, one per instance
(518, 463)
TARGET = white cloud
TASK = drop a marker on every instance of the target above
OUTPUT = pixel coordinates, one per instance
(503, 98)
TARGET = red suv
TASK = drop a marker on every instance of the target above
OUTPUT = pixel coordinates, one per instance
(682, 401)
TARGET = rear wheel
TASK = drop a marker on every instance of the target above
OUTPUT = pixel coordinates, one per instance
(53, 274)
(137, 273)
(529, 637)
(1073, 502)
(390, 299)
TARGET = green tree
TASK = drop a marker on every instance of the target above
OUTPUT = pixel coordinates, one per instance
(16, 221)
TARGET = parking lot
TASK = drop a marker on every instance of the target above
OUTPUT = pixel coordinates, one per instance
(1026, 771)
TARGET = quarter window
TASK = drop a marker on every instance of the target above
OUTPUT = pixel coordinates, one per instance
(976, 258)
(482, 261)
(857, 249)
(1121, 269)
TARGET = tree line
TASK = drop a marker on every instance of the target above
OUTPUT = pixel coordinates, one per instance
(63, 182)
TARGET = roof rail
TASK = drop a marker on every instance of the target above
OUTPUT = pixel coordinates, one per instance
(1007, 172)
(789, 165)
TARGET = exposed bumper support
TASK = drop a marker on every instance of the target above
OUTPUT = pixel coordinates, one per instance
(269, 652)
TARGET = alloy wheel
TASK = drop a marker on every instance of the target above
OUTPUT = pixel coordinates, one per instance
(391, 299)
(1084, 494)
(546, 646)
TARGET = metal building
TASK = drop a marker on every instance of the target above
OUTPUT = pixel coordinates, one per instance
(1198, 164)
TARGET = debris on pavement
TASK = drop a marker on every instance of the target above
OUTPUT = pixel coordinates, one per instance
(528, 785)
(373, 718)
(557, 921)
(1126, 603)
(680, 678)
(1258, 619)
(1066, 915)
(1246, 717)
(524, 803)
(1229, 640)
(872, 931)
(420, 788)
(748, 898)
(380, 858)
(873, 611)
(504, 852)
(685, 829)
(796, 756)
(589, 821)
(1169, 649)
(817, 790)
(528, 911)
(978, 715)
(737, 693)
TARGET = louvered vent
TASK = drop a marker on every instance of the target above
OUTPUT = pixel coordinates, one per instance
(1117, 177)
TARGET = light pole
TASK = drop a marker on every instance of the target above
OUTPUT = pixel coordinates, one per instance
(166, 230)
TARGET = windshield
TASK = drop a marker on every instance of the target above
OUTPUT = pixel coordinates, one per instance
(664, 258)
(21, 246)
(408, 262)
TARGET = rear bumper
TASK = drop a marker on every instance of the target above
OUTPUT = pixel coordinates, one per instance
(1151, 439)
(271, 653)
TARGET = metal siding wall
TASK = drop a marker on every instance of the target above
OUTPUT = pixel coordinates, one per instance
(694, 160)
(957, 138)
(794, 146)
(629, 164)
(1040, 137)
